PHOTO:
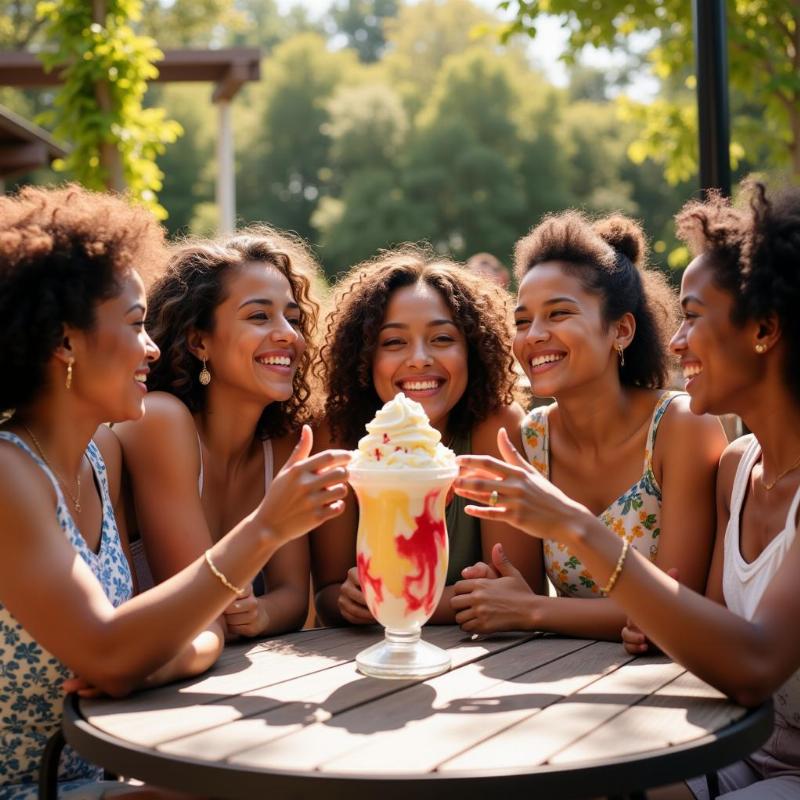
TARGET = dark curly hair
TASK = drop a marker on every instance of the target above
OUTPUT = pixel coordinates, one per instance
(186, 296)
(358, 308)
(755, 255)
(63, 251)
(608, 257)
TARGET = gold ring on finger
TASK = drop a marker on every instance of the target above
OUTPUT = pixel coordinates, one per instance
(493, 497)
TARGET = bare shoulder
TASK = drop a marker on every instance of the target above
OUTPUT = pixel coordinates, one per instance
(484, 434)
(729, 463)
(111, 452)
(165, 420)
(681, 431)
(24, 488)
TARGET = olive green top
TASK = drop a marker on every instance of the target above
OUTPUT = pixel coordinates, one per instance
(463, 531)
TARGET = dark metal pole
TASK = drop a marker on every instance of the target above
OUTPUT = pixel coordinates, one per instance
(711, 58)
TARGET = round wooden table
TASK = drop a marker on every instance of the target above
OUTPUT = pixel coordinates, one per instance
(522, 715)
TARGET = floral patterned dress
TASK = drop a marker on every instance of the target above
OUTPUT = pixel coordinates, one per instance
(30, 677)
(634, 516)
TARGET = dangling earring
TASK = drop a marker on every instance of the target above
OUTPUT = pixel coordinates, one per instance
(621, 351)
(205, 375)
(68, 381)
(761, 348)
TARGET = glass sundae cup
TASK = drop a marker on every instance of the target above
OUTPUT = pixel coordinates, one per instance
(401, 477)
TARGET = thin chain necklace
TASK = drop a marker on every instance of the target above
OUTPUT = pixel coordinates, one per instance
(76, 498)
(769, 486)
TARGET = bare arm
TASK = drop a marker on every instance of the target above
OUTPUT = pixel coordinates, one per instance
(748, 660)
(687, 451)
(50, 590)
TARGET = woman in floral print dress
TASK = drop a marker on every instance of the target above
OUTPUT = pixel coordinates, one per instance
(592, 332)
(74, 353)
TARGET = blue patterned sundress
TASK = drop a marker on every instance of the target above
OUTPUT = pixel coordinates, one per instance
(30, 677)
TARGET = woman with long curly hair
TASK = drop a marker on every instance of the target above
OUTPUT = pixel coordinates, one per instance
(410, 321)
(739, 348)
(592, 332)
(235, 321)
(73, 354)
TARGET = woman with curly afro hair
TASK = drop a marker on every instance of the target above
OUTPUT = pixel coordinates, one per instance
(73, 354)
(235, 320)
(739, 348)
(593, 329)
(410, 321)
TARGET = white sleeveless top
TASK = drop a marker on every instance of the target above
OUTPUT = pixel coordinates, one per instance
(743, 583)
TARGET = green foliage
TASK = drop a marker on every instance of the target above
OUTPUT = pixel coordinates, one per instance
(110, 58)
(281, 167)
(362, 23)
(764, 67)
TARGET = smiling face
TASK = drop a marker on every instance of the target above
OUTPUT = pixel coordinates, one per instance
(112, 360)
(562, 340)
(717, 357)
(421, 352)
(256, 342)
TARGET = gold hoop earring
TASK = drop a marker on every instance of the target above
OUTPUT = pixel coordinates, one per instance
(761, 348)
(205, 376)
(68, 381)
(621, 351)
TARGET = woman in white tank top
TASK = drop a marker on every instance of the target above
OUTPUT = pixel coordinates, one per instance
(233, 318)
(739, 347)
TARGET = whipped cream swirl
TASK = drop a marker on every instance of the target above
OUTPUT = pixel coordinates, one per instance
(401, 436)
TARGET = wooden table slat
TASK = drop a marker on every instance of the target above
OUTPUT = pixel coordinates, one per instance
(289, 706)
(658, 721)
(320, 743)
(536, 739)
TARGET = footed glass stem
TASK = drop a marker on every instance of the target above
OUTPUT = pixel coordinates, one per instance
(403, 655)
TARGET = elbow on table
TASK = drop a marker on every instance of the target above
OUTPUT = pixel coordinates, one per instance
(755, 683)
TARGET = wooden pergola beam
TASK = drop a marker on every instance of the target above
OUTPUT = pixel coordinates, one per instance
(228, 67)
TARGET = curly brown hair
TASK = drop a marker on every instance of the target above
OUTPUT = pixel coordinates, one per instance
(186, 296)
(62, 252)
(358, 307)
(608, 257)
(755, 255)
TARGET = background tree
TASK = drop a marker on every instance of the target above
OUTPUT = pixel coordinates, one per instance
(764, 66)
(362, 23)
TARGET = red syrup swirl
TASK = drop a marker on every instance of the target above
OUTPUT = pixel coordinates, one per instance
(365, 578)
(422, 549)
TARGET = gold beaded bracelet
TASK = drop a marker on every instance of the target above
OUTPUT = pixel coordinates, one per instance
(620, 563)
(222, 579)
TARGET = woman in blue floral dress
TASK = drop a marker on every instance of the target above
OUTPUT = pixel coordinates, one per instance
(73, 354)
(592, 332)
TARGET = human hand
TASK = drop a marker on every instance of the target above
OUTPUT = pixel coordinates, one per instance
(246, 616)
(81, 687)
(498, 603)
(479, 570)
(306, 492)
(351, 600)
(526, 499)
(633, 639)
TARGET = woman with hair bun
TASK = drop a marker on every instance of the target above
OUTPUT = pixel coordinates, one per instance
(74, 354)
(412, 321)
(235, 320)
(592, 332)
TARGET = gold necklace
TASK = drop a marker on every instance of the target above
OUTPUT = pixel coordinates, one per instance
(76, 498)
(769, 486)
